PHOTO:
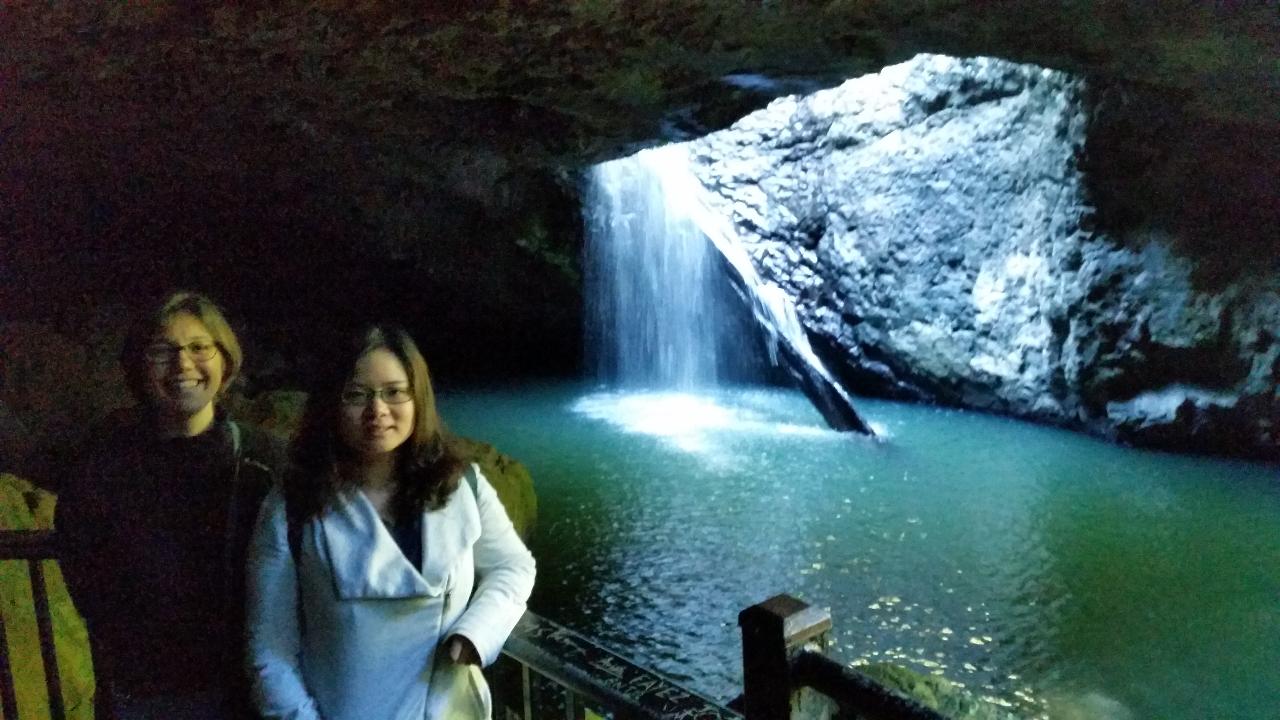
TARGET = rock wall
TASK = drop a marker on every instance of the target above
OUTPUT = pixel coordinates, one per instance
(935, 228)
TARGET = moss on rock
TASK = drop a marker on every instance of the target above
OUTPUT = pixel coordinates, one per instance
(936, 692)
(512, 481)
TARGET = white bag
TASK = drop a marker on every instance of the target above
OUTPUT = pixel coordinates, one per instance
(458, 692)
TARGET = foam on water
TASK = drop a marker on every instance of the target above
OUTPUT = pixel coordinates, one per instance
(689, 421)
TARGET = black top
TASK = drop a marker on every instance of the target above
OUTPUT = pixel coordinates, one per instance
(155, 532)
(408, 535)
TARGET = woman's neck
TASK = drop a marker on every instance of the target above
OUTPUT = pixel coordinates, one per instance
(175, 426)
(376, 478)
(373, 473)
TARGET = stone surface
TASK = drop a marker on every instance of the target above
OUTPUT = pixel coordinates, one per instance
(934, 226)
(251, 151)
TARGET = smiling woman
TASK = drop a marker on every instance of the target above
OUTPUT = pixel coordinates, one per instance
(155, 519)
(179, 360)
(386, 571)
(185, 370)
(377, 406)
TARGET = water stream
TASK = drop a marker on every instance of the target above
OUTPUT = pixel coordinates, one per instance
(662, 273)
(656, 294)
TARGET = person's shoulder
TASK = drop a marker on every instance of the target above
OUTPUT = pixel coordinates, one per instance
(108, 450)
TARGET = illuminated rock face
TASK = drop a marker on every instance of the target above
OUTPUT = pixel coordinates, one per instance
(933, 224)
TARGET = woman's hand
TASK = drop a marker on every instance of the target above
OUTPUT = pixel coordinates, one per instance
(461, 650)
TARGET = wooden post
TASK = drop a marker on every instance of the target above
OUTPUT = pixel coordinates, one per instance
(773, 632)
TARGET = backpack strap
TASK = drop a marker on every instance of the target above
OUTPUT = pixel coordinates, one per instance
(234, 503)
(293, 531)
(292, 526)
(473, 479)
(251, 478)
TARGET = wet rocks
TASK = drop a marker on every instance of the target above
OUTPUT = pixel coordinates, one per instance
(935, 229)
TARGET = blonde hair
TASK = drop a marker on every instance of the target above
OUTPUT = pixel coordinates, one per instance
(200, 307)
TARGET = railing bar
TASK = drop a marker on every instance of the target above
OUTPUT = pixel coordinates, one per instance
(44, 627)
(28, 544)
(853, 690)
(8, 696)
(573, 661)
(568, 705)
(575, 678)
(527, 686)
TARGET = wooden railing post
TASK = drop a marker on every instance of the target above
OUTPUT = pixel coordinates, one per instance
(774, 632)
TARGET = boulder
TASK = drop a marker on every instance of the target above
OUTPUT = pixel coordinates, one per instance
(935, 229)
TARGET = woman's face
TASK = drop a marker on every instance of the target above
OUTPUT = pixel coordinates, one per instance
(184, 368)
(376, 409)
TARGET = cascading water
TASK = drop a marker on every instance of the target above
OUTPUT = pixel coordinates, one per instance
(659, 302)
(660, 268)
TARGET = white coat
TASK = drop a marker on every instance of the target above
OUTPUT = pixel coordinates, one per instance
(371, 622)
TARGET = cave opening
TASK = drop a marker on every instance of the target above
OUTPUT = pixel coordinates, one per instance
(313, 168)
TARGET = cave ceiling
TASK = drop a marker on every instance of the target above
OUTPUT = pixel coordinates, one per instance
(550, 84)
(273, 126)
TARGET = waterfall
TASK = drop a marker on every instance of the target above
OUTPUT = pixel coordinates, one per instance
(661, 267)
(658, 300)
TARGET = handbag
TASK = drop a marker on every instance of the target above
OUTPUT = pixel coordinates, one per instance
(458, 692)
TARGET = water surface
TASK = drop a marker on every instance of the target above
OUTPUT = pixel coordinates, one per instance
(1040, 568)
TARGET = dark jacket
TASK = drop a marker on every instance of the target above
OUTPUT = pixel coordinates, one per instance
(154, 533)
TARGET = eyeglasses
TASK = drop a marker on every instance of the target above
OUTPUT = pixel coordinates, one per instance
(359, 397)
(162, 353)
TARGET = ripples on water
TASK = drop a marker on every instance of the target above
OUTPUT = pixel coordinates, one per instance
(1039, 568)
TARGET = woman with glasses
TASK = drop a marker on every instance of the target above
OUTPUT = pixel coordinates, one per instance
(155, 520)
(386, 562)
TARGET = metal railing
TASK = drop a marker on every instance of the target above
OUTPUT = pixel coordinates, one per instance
(783, 665)
(547, 670)
(783, 640)
(589, 679)
(35, 547)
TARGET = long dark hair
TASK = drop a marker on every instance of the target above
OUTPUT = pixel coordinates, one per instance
(428, 465)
